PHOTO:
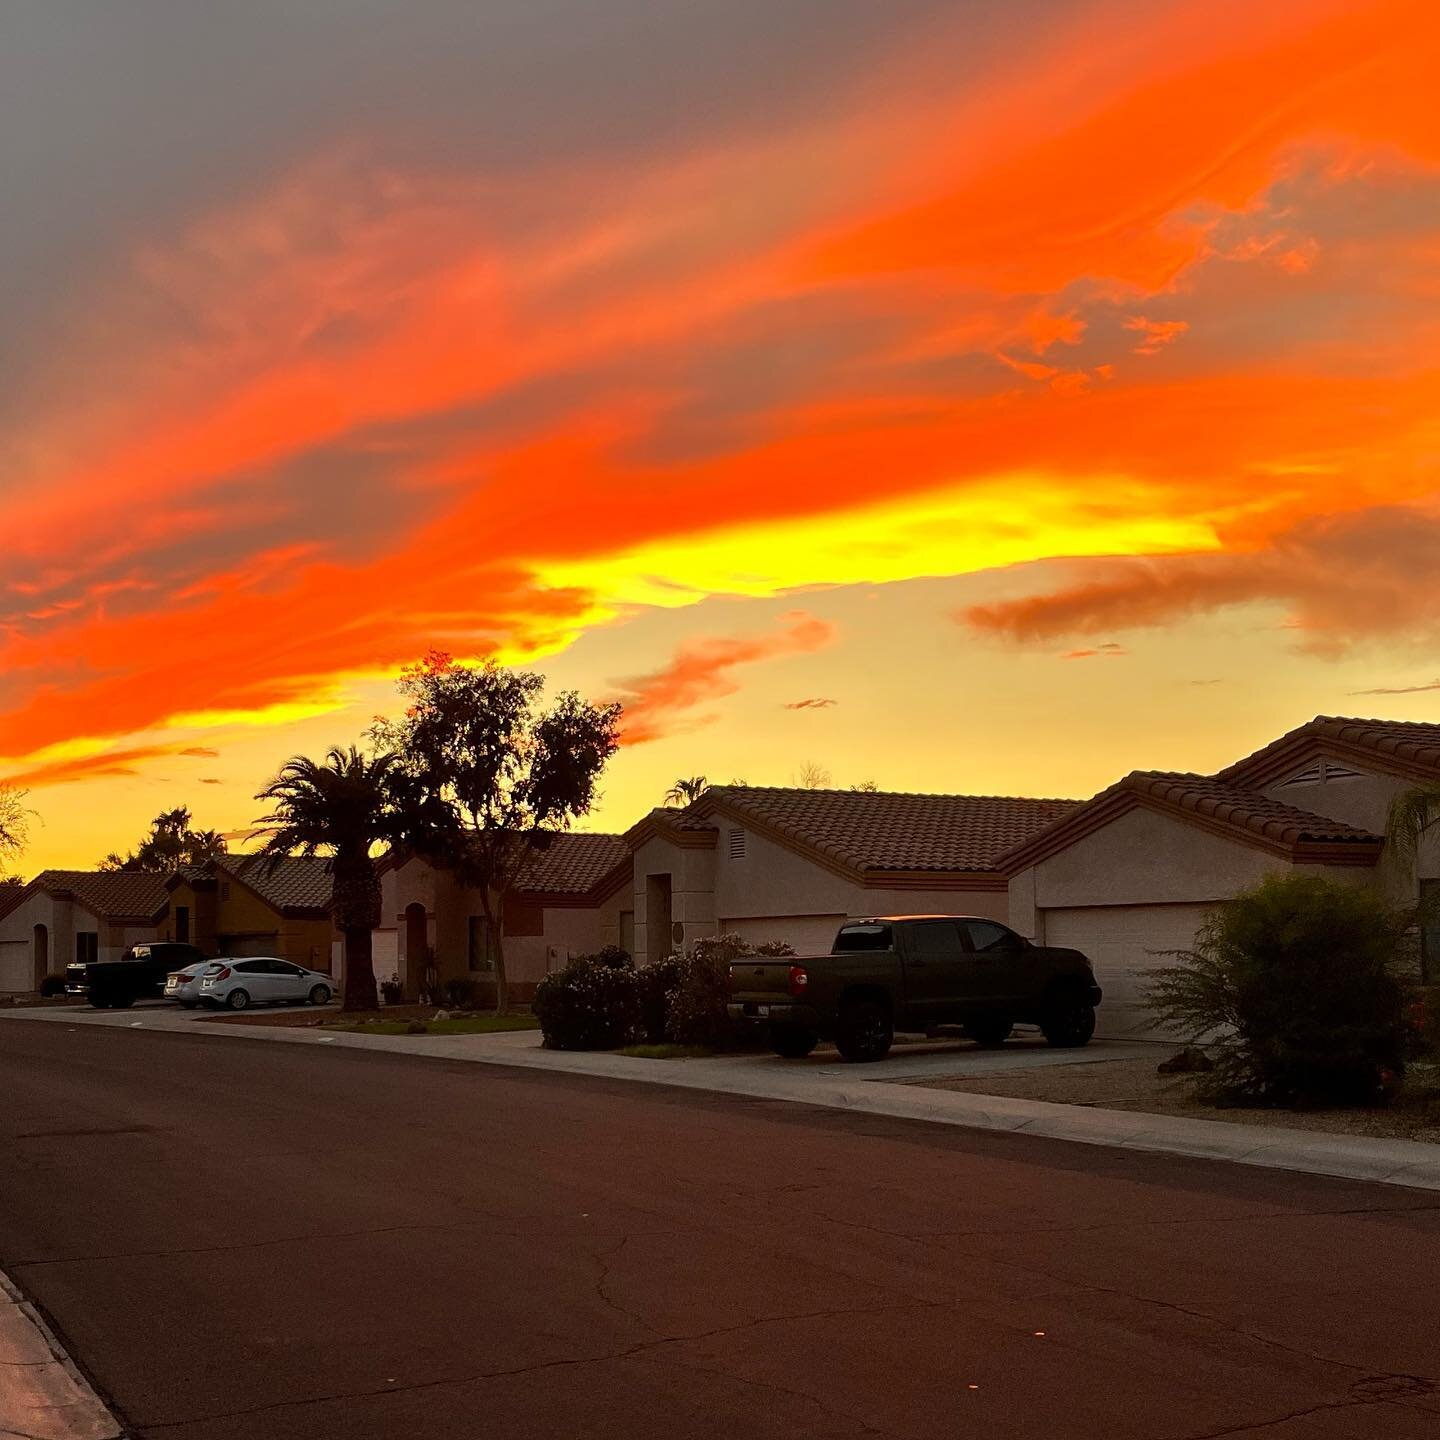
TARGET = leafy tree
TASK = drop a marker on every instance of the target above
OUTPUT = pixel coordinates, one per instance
(170, 845)
(495, 778)
(1295, 984)
(343, 806)
(687, 791)
(14, 824)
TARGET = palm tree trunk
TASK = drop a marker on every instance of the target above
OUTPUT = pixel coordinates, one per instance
(359, 970)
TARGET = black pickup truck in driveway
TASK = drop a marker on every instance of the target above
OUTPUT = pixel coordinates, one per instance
(916, 973)
(139, 974)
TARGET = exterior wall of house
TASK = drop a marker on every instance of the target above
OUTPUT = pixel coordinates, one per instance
(63, 920)
(244, 924)
(692, 894)
(201, 903)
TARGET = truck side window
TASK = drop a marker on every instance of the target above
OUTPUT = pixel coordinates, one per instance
(934, 940)
(986, 936)
(862, 937)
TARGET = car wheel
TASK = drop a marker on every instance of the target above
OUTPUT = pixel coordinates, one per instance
(866, 1031)
(320, 995)
(793, 1042)
(237, 1000)
(1068, 1022)
(989, 1031)
(188, 1004)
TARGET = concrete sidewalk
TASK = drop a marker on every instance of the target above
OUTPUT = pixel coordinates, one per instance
(42, 1395)
(871, 1089)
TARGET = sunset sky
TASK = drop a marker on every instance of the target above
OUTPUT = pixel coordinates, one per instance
(964, 395)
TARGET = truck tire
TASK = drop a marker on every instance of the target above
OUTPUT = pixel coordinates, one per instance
(1068, 1020)
(866, 1031)
(121, 1002)
(793, 1042)
(989, 1031)
(99, 1002)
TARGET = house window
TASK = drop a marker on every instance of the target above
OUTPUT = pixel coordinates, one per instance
(737, 844)
(481, 944)
(1430, 932)
(87, 947)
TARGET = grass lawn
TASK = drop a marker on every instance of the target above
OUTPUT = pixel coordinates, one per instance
(667, 1052)
(487, 1024)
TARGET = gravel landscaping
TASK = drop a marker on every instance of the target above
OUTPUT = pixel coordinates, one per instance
(1135, 1085)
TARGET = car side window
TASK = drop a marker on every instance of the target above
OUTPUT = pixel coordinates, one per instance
(252, 967)
(284, 967)
(934, 940)
(986, 937)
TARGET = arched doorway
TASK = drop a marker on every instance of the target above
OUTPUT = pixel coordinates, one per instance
(417, 949)
(42, 954)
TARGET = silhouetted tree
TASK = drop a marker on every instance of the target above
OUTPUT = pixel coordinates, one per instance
(170, 845)
(495, 779)
(687, 791)
(14, 824)
(343, 806)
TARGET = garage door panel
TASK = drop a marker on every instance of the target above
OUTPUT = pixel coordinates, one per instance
(1124, 943)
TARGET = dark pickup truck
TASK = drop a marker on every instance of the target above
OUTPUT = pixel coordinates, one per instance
(916, 973)
(138, 974)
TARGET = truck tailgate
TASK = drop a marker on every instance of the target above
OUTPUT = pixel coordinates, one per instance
(758, 978)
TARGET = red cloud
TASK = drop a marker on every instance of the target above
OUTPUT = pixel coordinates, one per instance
(701, 671)
(1341, 579)
(108, 764)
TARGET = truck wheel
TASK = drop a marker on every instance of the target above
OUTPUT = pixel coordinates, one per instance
(866, 1031)
(1068, 1021)
(793, 1042)
(122, 1002)
(989, 1031)
(99, 1002)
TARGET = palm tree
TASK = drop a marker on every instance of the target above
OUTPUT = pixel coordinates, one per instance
(1413, 813)
(686, 792)
(345, 806)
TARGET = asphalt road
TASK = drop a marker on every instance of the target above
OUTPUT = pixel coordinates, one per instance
(242, 1239)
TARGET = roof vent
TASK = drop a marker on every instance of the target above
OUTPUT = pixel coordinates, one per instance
(737, 844)
(1322, 772)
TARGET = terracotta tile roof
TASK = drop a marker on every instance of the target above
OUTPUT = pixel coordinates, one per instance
(12, 896)
(870, 831)
(108, 893)
(297, 882)
(1235, 805)
(1413, 742)
(573, 864)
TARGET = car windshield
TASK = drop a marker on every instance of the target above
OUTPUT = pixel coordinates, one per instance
(862, 937)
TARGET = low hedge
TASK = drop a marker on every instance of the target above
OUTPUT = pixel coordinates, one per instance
(592, 1004)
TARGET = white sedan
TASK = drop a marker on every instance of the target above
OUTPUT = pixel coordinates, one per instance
(184, 985)
(263, 980)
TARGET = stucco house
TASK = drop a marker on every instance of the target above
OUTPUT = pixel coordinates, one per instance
(1131, 873)
(242, 905)
(769, 864)
(63, 916)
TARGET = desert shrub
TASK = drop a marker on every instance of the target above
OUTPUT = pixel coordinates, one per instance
(1296, 985)
(695, 1006)
(657, 981)
(460, 993)
(589, 1005)
(51, 986)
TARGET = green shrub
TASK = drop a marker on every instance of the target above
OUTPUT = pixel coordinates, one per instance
(613, 957)
(695, 1011)
(591, 1004)
(658, 980)
(1295, 985)
(460, 994)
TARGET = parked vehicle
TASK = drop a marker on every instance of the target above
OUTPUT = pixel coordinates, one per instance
(263, 980)
(184, 985)
(916, 973)
(139, 974)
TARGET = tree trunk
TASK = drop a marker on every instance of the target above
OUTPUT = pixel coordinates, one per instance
(359, 970)
(493, 918)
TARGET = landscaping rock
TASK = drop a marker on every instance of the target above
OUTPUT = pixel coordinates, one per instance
(1190, 1061)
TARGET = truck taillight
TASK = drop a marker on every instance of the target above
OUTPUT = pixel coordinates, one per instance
(799, 981)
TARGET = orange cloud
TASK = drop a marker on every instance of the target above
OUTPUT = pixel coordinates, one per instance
(1157, 333)
(107, 764)
(702, 671)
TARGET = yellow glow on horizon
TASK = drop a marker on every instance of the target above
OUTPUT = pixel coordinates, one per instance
(1006, 520)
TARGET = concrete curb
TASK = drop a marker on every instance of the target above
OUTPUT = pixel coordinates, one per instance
(1411, 1163)
(42, 1395)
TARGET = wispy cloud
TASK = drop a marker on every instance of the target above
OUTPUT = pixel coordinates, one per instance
(703, 670)
(819, 702)
(1400, 689)
(1108, 651)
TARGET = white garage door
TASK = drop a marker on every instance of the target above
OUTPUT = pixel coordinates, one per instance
(17, 969)
(1123, 942)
